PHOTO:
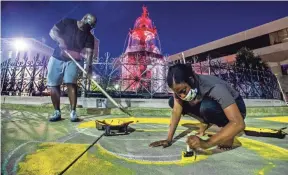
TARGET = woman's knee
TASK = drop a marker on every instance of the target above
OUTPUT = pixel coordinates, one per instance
(212, 112)
(171, 102)
(209, 107)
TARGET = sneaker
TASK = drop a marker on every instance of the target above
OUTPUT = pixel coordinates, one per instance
(73, 116)
(56, 116)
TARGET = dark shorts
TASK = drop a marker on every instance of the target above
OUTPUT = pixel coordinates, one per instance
(210, 110)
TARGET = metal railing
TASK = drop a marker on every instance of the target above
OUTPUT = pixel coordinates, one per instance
(28, 77)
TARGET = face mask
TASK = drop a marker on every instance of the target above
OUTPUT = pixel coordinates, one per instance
(191, 95)
(88, 24)
(89, 21)
(87, 27)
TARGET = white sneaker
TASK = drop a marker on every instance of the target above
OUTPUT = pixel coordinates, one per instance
(73, 116)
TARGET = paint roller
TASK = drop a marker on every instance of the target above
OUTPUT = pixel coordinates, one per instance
(101, 89)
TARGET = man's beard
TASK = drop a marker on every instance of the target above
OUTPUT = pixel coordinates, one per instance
(86, 27)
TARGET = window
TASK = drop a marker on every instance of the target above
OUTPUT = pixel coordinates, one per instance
(280, 36)
(284, 69)
(253, 43)
(283, 34)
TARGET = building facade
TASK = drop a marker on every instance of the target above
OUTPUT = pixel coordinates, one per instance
(23, 65)
(269, 41)
(20, 48)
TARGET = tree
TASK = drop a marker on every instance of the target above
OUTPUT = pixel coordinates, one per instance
(246, 58)
(254, 75)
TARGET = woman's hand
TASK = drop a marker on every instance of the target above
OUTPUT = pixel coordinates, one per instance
(164, 143)
(195, 142)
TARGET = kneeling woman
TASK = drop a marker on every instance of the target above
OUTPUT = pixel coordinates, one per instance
(210, 100)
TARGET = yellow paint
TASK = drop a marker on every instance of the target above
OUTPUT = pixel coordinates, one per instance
(90, 164)
(146, 162)
(49, 154)
(266, 169)
(282, 119)
(265, 150)
(52, 158)
(92, 124)
(45, 160)
(117, 121)
(156, 130)
(113, 122)
(260, 130)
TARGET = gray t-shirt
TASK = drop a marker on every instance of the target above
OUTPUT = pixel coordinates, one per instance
(216, 89)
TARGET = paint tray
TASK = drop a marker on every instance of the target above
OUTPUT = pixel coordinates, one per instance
(262, 132)
(113, 127)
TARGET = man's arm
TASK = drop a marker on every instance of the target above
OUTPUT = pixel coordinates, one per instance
(88, 55)
(89, 48)
(56, 35)
(57, 31)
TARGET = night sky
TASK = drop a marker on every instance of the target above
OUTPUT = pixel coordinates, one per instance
(181, 25)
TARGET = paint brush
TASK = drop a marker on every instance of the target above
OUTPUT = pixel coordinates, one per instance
(189, 152)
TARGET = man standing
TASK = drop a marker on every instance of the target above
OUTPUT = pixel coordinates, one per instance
(75, 38)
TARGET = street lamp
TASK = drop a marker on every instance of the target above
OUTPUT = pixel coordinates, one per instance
(20, 45)
(116, 86)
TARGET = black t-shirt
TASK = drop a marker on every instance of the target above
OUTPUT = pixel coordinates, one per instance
(216, 89)
(74, 38)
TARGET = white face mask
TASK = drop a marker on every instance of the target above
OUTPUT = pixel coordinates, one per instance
(191, 95)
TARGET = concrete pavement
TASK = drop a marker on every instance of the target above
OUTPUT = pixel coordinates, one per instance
(32, 145)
